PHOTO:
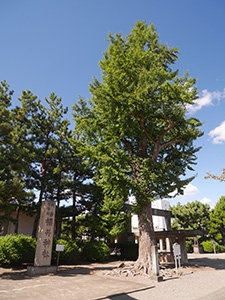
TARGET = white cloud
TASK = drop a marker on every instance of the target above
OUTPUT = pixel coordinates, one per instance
(212, 205)
(131, 200)
(218, 134)
(189, 190)
(172, 194)
(205, 200)
(206, 99)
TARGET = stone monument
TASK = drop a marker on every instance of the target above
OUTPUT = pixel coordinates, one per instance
(197, 248)
(42, 260)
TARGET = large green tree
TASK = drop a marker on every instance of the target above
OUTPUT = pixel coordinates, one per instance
(192, 215)
(14, 159)
(38, 152)
(135, 129)
(217, 221)
(46, 132)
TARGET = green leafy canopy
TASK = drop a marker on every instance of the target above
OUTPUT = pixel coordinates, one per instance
(192, 215)
(217, 221)
(134, 130)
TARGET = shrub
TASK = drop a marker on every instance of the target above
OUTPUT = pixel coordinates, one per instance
(208, 247)
(70, 253)
(128, 250)
(222, 248)
(96, 251)
(189, 246)
(17, 249)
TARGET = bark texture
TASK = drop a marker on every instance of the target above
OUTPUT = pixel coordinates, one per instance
(146, 240)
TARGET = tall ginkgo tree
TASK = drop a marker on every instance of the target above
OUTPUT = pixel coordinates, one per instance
(134, 130)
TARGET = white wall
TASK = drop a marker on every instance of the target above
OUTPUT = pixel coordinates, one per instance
(159, 222)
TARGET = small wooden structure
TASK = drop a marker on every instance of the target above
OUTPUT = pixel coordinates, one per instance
(180, 235)
(167, 237)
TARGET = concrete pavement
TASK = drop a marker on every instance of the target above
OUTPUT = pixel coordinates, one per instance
(74, 282)
(86, 282)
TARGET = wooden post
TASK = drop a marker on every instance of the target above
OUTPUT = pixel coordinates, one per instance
(168, 240)
(183, 249)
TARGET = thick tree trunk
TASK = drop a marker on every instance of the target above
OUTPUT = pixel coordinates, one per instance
(58, 217)
(73, 217)
(17, 220)
(58, 221)
(58, 228)
(147, 247)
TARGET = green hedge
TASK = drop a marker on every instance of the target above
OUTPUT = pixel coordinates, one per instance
(208, 247)
(17, 249)
(95, 251)
(70, 253)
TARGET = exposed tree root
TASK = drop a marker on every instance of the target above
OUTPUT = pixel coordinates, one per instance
(129, 269)
(132, 269)
(125, 269)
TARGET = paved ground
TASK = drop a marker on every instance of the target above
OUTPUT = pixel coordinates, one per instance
(87, 282)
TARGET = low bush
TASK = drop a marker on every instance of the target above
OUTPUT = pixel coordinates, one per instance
(208, 247)
(128, 250)
(95, 251)
(222, 248)
(17, 249)
(70, 253)
(189, 246)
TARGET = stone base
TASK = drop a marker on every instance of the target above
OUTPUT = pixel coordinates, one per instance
(165, 257)
(43, 270)
(198, 249)
(156, 278)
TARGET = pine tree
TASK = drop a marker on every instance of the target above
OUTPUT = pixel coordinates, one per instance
(14, 156)
(45, 128)
(191, 216)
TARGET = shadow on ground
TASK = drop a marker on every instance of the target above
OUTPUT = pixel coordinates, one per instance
(124, 296)
(82, 270)
(88, 269)
(20, 273)
(13, 274)
(215, 263)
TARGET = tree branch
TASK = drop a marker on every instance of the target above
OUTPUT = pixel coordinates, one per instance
(144, 128)
(171, 142)
(130, 153)
(159, 145)
(129, 146)
(170, 125)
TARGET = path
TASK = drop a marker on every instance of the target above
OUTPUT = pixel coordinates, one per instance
(86, 282)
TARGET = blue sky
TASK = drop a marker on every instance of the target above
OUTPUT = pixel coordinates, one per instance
(52, 45)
